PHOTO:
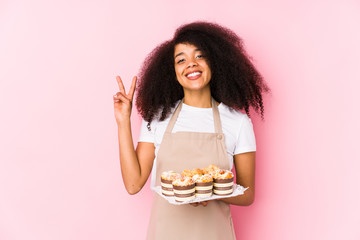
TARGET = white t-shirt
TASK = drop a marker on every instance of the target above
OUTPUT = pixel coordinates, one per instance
(236, 126)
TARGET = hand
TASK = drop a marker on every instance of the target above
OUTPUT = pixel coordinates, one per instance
(123, 101)
(204, 203)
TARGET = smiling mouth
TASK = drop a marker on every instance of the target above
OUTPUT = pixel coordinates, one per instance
(193, 74)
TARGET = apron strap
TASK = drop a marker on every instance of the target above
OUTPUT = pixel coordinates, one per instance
(216, 116)
(173, 118)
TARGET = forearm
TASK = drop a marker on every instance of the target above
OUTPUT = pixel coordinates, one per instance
(130, 167)
(245, 176)
(241, 200)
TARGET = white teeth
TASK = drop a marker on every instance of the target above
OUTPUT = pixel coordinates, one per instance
(193, 74)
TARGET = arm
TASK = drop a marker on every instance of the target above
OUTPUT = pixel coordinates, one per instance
(135, 165)
(245, 176)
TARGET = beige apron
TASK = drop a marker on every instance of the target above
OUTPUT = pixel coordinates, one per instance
(188, 150)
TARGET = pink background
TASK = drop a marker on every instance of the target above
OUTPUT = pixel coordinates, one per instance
(59, 166)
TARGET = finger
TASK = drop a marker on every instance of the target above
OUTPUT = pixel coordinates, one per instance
(118, 94)
(120, 83)
(116, 98)
(121, 97)
(195, 204)
(205, 203)
(132, 88)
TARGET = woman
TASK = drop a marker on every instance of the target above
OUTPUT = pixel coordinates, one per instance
(190, 92)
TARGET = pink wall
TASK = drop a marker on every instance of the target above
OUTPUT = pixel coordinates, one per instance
(59, 167)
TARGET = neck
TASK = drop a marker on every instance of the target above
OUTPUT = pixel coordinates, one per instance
(201, 99)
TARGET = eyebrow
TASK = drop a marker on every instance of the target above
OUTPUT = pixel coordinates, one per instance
(181, 53)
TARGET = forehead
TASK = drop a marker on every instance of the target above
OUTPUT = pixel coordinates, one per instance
(185, 48)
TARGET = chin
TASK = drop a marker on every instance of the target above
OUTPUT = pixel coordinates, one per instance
(195, 88)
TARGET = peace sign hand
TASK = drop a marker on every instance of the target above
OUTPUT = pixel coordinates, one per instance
(123, 101)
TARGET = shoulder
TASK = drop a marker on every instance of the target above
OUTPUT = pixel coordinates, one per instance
(234, 121)
(156, 123)
(233, 115)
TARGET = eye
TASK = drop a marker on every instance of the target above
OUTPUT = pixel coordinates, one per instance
(200, 56)
(180, 61)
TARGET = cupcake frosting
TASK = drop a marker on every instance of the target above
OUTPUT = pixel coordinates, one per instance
(223, 174)
(183, 181)
(202, 178)
(170, 175)
(191, 173)
(211, 169)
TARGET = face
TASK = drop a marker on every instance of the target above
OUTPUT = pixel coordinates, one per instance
(191, 68)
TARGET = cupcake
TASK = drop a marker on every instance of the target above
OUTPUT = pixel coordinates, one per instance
(191, 173)
(203, 185)
(223, 182)
(184, 189)
(166, 182)
(211, 169)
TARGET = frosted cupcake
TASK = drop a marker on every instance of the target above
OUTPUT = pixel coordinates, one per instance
(203, 185)
(192, 172)
(211, 170)
(167, 179)
(184, 189)
(223, 182)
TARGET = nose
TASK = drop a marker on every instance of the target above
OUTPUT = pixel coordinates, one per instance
(192, 63)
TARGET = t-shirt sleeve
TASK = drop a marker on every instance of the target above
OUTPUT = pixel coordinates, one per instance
(246, 138)
(145, 134)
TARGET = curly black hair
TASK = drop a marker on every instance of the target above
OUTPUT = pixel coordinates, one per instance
(234, 79)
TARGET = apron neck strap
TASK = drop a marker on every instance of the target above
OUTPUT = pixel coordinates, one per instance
(216, 116)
